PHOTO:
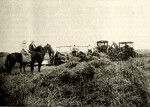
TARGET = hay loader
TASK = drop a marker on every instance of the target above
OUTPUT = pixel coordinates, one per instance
(127, 50)
(122, 51)
(102, 46)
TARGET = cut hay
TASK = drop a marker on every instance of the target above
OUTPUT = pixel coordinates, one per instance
(97, 83)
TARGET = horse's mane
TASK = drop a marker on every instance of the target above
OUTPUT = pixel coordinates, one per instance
(39, 49)
(48, 48)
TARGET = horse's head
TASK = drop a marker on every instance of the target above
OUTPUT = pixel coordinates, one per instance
(49, 49)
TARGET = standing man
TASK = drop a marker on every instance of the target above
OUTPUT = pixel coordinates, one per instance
(32, 46)
(89, 50)
(74, 51)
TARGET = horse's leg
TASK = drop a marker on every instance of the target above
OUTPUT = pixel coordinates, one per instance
(51, 58)
(24, 67)
(52, 61)
(32, 66)
(39, 66)
(32, 63)
(20, 67)
(9, 70)
(10, 67)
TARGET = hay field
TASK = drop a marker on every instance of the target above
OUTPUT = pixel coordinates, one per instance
(96, 83)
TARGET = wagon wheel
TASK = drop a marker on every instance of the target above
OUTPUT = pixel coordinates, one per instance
(120, 56)
(134, 54)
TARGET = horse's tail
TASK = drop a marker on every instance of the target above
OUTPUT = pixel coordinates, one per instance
(7, 62)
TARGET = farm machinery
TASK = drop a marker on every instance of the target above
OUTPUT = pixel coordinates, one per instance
(127, 50)
(64, 54)
(102, 46)
(122, 51)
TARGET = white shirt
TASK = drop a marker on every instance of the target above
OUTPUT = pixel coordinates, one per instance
(89, 47)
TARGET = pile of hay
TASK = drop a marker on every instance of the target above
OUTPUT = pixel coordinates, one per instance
(3, 54)
(96, 83)
(99, 83)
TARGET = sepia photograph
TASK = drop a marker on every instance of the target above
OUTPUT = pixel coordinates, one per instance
(75, 53)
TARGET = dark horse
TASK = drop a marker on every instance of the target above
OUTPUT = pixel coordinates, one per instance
(36, 55)
(12, 59)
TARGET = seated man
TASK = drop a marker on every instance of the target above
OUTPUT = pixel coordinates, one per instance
(26, 57)
(31, 46)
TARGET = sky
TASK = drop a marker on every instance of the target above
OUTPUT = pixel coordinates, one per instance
(69, 22)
